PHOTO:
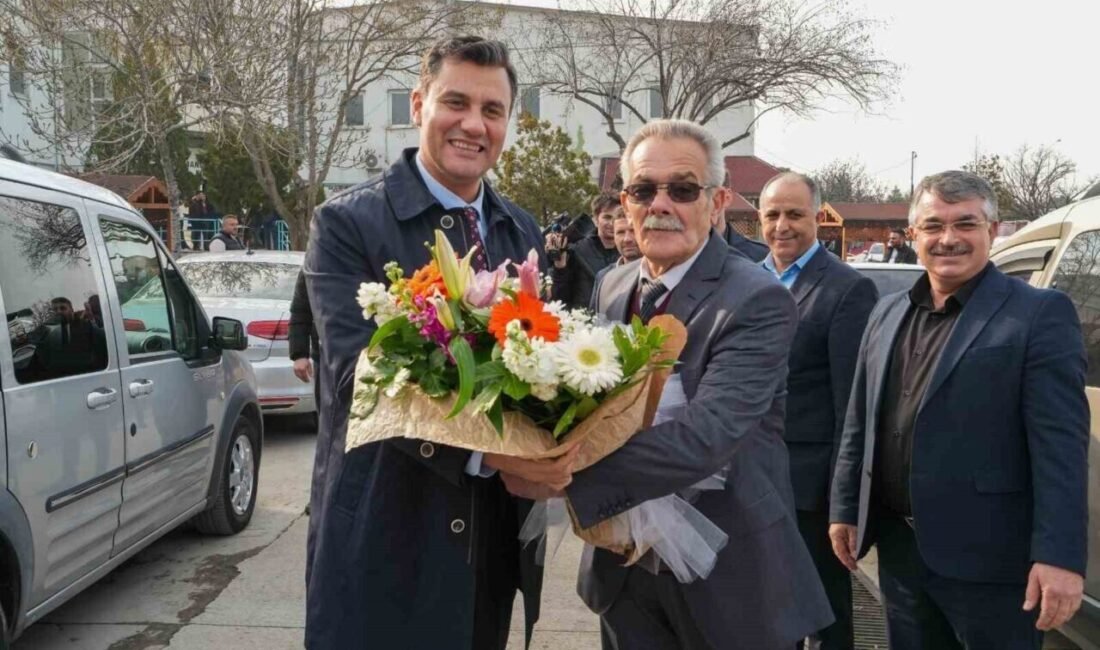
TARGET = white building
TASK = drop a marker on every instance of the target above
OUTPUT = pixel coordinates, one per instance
(380, 119)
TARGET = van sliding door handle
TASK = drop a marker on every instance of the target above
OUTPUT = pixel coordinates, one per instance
(141, 387)
(102, 398)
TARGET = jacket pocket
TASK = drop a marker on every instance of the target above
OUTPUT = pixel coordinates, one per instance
(989, 352)
(758, 515)
(999, 481)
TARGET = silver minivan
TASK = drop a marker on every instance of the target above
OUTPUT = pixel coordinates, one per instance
(124, 412)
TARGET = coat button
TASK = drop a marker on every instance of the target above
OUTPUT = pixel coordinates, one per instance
(457, 526)
(427, 450)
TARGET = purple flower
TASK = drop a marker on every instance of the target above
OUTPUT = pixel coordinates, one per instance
(529, 275)
(482, 291)
(428, 321)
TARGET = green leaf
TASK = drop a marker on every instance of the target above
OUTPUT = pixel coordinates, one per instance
(388, 329)
(491, 371)
(437, 360)
(515, 388)
(565, 420)
(434, 384)
(464, 361)
(586, 406)
(486, 398)
(496, 417)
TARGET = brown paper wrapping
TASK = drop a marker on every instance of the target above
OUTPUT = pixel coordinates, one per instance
(412, 414)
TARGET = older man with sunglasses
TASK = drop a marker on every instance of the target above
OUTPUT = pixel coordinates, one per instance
(963, 455)
(730, 385)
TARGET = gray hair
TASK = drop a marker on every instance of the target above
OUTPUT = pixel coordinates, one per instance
(955, 186)
(674, 130)
(811, 184)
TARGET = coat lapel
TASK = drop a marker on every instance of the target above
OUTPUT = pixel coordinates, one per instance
(877, 367)
(700, 280)
(987, 298)
(811, 275)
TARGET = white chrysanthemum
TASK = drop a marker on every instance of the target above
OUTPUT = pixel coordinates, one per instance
(544, 392)
(569, 320)
(376, 302)
(588, 361)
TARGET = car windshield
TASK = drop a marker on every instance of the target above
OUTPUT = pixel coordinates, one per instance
(892, 280)
(256, 280)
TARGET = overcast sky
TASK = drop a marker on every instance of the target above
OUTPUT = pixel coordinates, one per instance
(982, 74)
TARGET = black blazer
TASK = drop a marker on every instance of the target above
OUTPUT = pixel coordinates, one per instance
(750, 248)
(834, 301)
(303, 335)
(1000, 470)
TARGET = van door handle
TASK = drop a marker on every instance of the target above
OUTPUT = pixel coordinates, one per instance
(102, 398)
(141, 387)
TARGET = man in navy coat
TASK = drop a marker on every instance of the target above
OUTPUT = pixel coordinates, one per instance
(834, 301)
(964, 448)
(411, 544)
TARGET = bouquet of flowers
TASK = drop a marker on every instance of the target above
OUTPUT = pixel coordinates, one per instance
(479, 361)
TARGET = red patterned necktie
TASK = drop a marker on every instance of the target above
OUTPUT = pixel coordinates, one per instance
(480, 261)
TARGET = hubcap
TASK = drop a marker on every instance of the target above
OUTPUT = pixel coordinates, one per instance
(242, 468)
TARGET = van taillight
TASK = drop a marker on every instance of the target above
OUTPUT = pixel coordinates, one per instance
(273, 330)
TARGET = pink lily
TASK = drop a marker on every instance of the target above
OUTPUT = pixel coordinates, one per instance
(529, 275)
(483, 289)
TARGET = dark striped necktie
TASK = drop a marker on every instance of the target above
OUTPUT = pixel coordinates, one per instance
(650, 293)
(480, 261)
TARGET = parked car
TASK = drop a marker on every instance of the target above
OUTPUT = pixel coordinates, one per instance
(256, 287)
(125, 412)
(890, 278)
(1062, 251)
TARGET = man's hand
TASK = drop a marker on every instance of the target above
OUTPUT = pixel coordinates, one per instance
(843, 537)
(1059, 591)
(303, 369)
(557, 241)
(556, 473)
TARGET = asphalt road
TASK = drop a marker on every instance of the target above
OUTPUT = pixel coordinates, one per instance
(192, 592)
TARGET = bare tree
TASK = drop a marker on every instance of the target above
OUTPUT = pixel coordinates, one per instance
(697, 59)
(327, 56)
(119, 77)
(847, 181)
(1038, 180)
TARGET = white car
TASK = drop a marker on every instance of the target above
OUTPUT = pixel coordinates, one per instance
(255, 287)
(890, 278)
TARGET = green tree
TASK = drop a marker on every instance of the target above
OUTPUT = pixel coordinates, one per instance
(897, 196)
(232, 184)
(543, 172)
(847, 181)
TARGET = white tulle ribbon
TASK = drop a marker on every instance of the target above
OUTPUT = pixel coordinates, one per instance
(677, 535)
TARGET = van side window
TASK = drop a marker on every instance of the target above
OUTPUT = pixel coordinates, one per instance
(1078, 275)
(52, 303)
(137, 275)
(189, 328)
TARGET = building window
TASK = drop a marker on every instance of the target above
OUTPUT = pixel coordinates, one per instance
(17, 78)
(353, 111)
(530, 102)
(400, 108)
(656, 104)
(615, 107)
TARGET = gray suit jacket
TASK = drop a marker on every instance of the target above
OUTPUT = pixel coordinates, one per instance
(764, 591)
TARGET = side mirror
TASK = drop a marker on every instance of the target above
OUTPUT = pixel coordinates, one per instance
(228, 334)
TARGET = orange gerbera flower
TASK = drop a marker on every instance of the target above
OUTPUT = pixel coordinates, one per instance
(426, 281)
(530, 313)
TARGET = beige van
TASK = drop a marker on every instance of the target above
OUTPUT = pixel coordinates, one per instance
(1062, 251)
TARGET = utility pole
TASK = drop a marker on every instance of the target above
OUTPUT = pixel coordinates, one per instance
(912, 167)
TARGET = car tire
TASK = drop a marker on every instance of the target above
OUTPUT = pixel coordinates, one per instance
(237, 480)
(5, 631)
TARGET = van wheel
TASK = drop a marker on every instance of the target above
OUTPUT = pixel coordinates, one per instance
(5, 631)
(237, 479)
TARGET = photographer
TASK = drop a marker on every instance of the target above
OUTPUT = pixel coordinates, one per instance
(575, 268)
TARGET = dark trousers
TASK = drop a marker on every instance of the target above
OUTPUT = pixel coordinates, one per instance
(836, 579)
(925, 611)
(650, 613)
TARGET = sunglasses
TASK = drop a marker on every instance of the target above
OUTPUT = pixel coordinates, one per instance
(678, 191)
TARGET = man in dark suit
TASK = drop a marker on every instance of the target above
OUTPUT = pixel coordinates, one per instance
(964, 448)
(763, 593)
(411, 544)
(834, 301)
(750, 248)
(897, 251)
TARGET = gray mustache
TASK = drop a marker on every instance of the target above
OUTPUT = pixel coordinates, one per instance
(657, 222)
(958, 249)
